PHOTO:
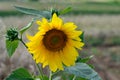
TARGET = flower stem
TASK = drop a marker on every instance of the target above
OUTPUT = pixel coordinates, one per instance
(50, 76)
(74, 78)
(39, 67)
(23, 43)
(40, 71)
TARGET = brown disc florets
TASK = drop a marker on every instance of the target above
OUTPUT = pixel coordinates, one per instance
(55, 40)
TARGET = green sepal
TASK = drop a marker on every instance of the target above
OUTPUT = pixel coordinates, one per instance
(46, 14)
(84, 71)
(82, 37)
(11, 46)
(20, 74)
(26, 27)
(66, 10)
(55, 11)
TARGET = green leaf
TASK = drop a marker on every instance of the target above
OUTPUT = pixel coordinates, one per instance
(84, 60)
(66, 10)
(84, 71)
(46, 14)
(26, 27)
(11, 46)
(20, 74)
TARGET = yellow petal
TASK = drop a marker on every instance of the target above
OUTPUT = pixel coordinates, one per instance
(68, 27)
(58, 61)
(51, 63)
(45, 64)
(69, 55)
(76, 44)
(56, 22)
(29, 37)
(38, 22)
(44, 25)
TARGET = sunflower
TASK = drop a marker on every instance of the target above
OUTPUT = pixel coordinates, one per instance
(55, 43)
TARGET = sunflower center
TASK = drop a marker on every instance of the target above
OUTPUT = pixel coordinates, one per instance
(55, 40)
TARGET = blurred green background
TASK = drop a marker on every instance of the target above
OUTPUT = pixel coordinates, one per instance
(99, 19)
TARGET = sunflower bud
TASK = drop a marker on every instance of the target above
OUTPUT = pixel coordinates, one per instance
(12, 34)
